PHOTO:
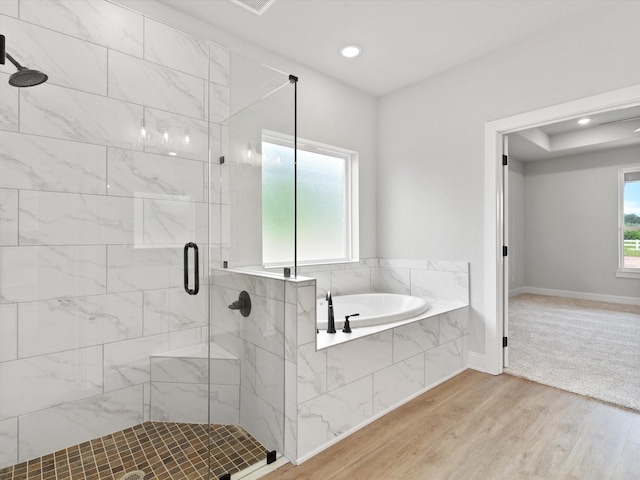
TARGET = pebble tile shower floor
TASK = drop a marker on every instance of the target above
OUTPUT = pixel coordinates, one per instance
(161, 450)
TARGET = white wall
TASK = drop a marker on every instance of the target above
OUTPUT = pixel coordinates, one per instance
(431, 144)
(517, 220)
(328, 111)
(571, 228)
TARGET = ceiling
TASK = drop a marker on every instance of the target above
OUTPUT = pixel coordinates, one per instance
(612, 129)
(403, 41)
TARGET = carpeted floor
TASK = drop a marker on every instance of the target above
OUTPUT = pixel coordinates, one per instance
(586, 347)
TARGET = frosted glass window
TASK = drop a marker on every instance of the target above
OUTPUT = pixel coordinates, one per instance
(324, 203)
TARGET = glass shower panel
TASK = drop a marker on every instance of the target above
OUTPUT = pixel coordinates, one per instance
(261, 100)
(262, 103)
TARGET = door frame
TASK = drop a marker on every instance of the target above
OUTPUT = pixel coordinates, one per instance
(496, 284)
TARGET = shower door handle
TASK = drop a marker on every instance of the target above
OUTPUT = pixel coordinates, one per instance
(196, 287)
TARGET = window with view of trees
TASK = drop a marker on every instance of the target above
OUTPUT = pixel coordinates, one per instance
(630, 248)
(327, 202)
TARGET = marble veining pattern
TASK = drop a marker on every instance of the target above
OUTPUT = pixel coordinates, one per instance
(62, 113)
(442, 361)
(220, 69)
(219, 106)
(392, 280)
(349, 281)
(132, 268)
(9, 105)
(8, 331)
(73, 219)
(270, 379)
(128, 363)
(306, 315)
(350, 361)
(8, 217)
(49, 380)
(397, 382)
(217, 371)
(414, 338)
(175, 49)
(264, 422)
(138, 81)
(454, 325)
(184, 402)
(324, 418)
(167, 310)
(38, 163)
(8, 441)
(312, 372)
(82, 67)
(169, 222)
(39, 273)
(60, 324)
(102, 23)
(145, 175)
(167, 134)
(440, 286)
(72, 423)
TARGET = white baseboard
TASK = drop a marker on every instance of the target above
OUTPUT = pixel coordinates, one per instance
(477, 361)
(306, 457)
(596, 297)
(517, 291)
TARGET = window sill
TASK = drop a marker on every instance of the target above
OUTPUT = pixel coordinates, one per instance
(628, 273)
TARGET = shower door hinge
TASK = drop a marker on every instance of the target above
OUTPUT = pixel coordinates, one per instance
(221, 160)
(293, 79)
(505, 342)
(272, 456)
(226, 476)
(505, 250)
(505, 160)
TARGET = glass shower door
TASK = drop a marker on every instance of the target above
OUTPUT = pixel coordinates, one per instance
(103, 355)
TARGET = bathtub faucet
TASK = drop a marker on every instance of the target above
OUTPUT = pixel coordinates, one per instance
(331, 321)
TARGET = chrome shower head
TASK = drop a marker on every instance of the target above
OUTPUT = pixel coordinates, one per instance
(25, 77)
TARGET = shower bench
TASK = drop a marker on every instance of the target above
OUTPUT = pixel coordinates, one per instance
(182, 379)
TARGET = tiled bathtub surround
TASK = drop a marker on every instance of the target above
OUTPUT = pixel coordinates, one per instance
(94, 216)
(334, 391)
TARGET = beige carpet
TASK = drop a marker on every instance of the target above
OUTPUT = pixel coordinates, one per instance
(586, 347)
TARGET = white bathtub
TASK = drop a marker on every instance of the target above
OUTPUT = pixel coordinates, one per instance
(374, 309)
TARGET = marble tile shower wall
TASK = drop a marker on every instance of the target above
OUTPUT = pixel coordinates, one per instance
(93, 214)
(263, 344)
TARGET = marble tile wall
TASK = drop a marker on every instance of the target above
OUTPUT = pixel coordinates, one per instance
(264, 343)
(341, 388)
(104, 178)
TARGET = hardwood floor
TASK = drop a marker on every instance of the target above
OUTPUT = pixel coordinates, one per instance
(479, 426)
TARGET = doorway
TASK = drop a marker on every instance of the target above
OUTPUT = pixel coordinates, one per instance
(495, 239)
(573, 324)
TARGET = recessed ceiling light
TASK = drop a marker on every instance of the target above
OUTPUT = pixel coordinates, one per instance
(350, 51)
(584, 121)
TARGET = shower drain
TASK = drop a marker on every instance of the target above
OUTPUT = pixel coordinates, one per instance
(136, 475)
